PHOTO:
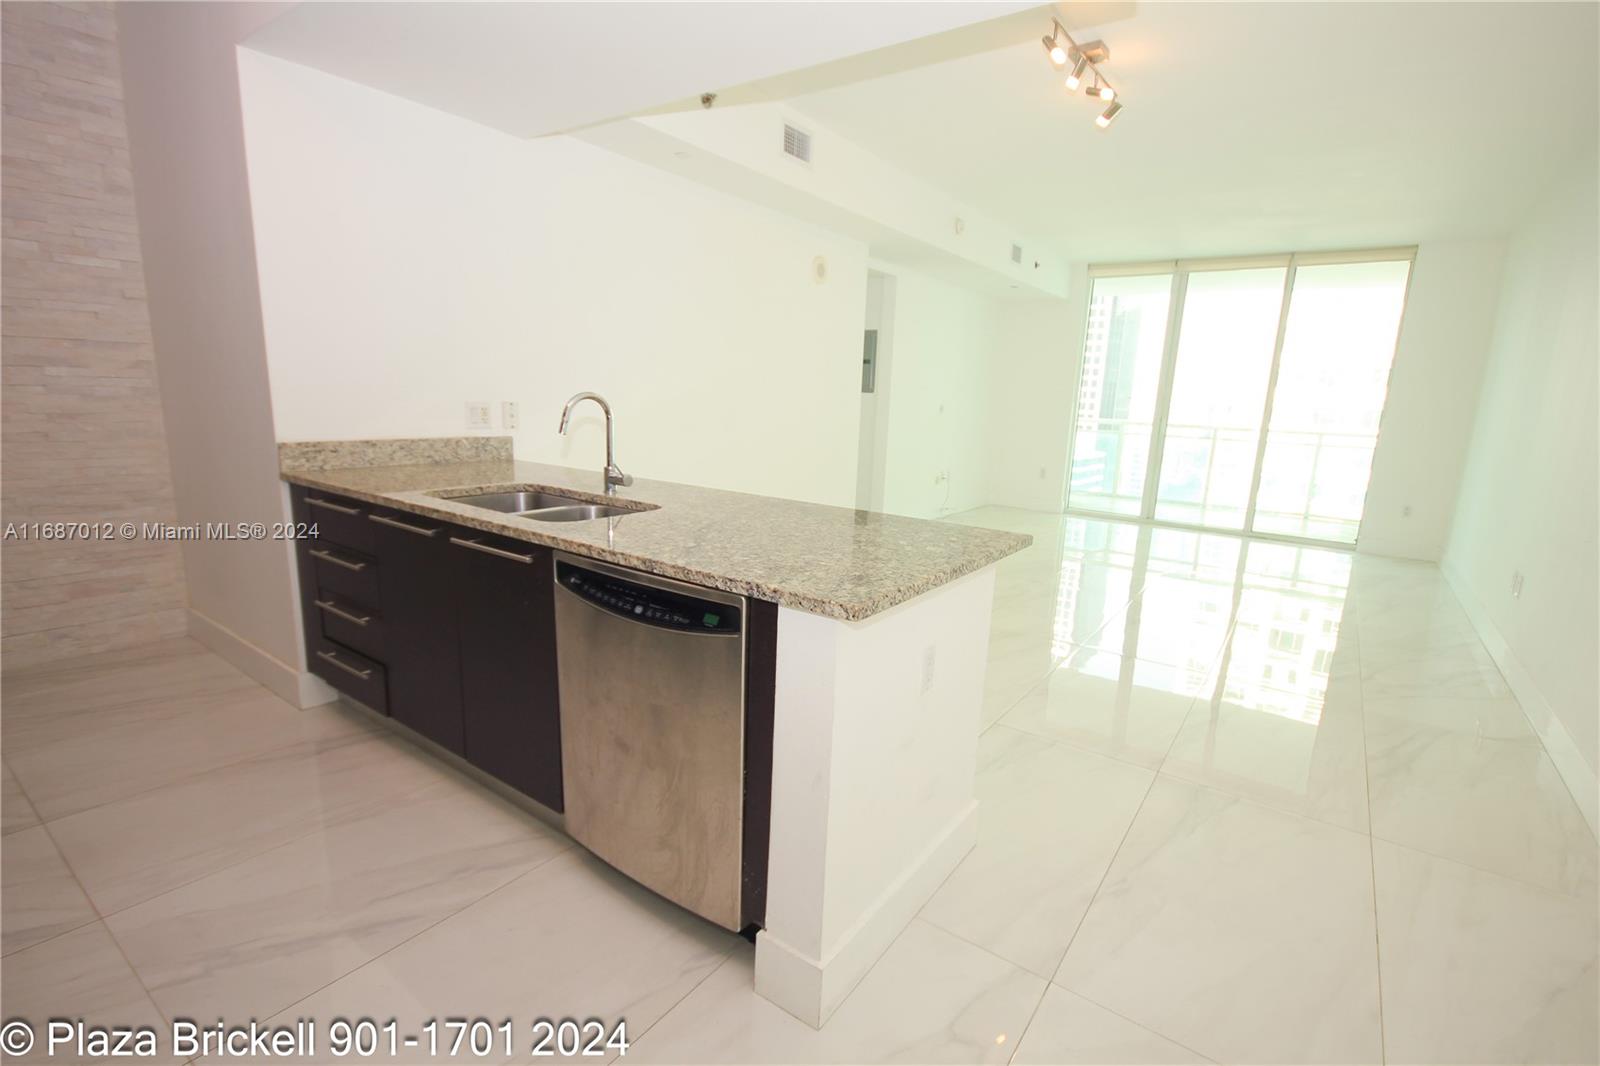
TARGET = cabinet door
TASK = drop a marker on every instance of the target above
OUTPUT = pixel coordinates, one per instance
(504, 615)
(419, 625)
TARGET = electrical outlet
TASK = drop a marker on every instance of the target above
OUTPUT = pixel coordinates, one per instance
(928, 659)
(477, 415)
(1516, 584)
(508, 414)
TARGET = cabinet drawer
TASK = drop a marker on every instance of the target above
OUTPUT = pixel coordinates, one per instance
(344, 574)
(351, 673)
(341, 522)
(351, 624)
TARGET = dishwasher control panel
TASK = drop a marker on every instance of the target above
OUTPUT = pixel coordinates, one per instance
(650, 606)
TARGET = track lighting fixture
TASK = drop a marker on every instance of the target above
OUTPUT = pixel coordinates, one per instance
(1085, 60)
(1075, 78)
(1055, 49)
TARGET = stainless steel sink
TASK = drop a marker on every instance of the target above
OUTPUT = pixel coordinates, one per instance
(577, 512)
(517, 502)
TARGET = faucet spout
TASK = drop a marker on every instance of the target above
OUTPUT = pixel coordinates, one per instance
(613, 474)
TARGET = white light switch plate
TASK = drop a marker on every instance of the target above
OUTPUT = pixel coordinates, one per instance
(477, 415)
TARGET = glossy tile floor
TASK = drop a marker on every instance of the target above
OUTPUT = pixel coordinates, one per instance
(1241, 803)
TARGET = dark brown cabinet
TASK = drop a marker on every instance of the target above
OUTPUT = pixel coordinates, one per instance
(506, 629)
(447, 630)
(419, 632)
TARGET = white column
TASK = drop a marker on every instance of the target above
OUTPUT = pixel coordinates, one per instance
(874, 755)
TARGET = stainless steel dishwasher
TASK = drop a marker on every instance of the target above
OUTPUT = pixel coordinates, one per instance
(652, 729)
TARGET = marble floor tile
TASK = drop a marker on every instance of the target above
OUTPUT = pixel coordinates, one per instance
(1050, 818)
(1298, 752)
(1015, 665)
(39, 897)
(1179, 622)
(104, 764)
(128, 851)
(1401, 633)
(1488, 717)
(277, 927)
(1478, 968)
(1497, 805)
(1109, 704)
(1241, 932)
(1390, 644)
(570, 938)
(60, 701)
(1068, 1030)
(78, 975)
(1465, 671)
(932, 998)
(15, 810)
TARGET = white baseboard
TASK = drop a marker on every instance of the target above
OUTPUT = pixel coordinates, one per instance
(812, 989)
(294, 686)
(1575, 771)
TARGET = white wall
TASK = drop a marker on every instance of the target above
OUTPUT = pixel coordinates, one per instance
(181, 90)
(1433, 398)
(412, 261)
(1528, 493)
(1038, 346)
(936, 396)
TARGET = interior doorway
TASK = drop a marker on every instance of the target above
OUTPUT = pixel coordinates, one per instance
(1241, 394)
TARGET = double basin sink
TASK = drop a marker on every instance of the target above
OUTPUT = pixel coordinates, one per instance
(542, 506)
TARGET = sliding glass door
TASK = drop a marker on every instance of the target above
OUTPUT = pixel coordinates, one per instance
(1333, 377)
(1241, 395)
(1219, 389)
(1117, 392)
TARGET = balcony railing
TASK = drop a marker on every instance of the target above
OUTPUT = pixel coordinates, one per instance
(1313, 483)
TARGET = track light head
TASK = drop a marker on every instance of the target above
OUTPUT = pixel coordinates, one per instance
(1109, 115)
(1106, 93)
(1075, 76)
(1055, 49)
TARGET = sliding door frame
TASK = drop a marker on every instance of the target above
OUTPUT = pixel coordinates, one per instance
(1181, 269)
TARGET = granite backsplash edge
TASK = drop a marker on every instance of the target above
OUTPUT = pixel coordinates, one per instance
(391, 451)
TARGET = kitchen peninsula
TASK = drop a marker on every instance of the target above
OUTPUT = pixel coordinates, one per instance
(859, 684)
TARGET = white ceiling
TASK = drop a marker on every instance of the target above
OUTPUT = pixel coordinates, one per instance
(1252, 127)
(536, 68)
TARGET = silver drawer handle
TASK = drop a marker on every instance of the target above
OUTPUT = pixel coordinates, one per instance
(475, 546)
(364, 675)
(418, 530)
(317, 501)
(329, 557)
(339, 612)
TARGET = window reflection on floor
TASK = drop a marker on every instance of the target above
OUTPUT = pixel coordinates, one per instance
(1261, 621)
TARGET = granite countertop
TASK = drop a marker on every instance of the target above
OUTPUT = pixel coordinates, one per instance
(830, 561)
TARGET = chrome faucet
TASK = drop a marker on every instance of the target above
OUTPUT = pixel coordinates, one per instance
(614, 476)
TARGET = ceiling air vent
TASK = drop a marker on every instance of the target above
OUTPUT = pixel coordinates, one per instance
(796, 143)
